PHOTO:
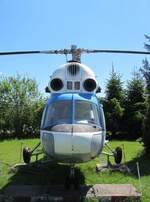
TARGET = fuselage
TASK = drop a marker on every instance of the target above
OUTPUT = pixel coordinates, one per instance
(73, 127)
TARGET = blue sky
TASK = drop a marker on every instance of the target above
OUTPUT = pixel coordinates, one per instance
(47, 24)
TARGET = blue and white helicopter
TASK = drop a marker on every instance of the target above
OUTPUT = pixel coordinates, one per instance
(73, 124)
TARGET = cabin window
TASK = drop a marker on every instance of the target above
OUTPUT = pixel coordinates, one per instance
(86, 113)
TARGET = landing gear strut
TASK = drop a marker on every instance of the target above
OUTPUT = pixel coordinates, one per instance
(28, 153)
(72, 179)
(117, 154)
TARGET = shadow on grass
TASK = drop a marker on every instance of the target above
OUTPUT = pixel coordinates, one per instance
(144, 164)
(38, 173)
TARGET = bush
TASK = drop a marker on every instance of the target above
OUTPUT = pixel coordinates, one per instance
(21, 107)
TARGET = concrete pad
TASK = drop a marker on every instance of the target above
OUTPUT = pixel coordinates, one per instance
(100, 192)
(114, 192)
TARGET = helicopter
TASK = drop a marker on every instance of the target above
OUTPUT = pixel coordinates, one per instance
(73, 128)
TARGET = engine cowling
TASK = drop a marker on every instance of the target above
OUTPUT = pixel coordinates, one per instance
(73, 77)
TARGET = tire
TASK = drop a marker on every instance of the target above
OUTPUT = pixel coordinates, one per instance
(26, 155)
(118, 155)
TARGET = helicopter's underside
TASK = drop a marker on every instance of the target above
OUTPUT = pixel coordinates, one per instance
(73, 147)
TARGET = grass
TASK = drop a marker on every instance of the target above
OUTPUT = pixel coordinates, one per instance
(10, 154)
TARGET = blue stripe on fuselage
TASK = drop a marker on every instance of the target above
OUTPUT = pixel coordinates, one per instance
(72, 96)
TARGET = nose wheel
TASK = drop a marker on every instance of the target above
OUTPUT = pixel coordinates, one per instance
(72, 179)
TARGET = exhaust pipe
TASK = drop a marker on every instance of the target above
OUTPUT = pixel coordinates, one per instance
(89, 85)
(56, 84)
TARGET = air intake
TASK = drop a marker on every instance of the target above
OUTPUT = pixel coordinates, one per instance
(56, 84)
(73, 69)
(89, 85)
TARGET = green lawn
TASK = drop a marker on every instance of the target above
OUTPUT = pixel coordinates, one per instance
(53, 173)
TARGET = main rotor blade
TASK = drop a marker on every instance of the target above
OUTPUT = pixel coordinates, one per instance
(63, 51)
(74, 51)
(116, 51)
(19, 52)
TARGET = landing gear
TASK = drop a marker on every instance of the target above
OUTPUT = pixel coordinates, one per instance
(28, 153)
(72, 179)
(118, 155)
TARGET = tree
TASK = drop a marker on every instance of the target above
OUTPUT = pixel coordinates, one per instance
(19, 98)
(114, 87)
(113, 115)
(113, 103)
(145, 69)
(147, 45)
(135, 107)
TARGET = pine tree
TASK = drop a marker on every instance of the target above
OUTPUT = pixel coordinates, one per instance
(113, 104)
(134, 107)
(114, 87)
(145, 69)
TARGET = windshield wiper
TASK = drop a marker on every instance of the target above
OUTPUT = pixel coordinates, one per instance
(94, 125)
(48, 127)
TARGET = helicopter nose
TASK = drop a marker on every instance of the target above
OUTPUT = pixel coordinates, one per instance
(81, 143)
(72, 147)
(48, 142)
(76, 147)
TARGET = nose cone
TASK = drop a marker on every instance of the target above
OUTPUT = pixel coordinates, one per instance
(67, 148)
(73, 145)
(72, 148)
(81, 147)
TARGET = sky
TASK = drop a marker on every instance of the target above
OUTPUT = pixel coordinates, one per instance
(49, 24)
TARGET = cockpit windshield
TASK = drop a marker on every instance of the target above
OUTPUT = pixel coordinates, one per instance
(71, 112)
(86, 113)
(58, 113)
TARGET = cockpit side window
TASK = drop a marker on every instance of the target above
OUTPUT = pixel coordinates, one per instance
(102, 118)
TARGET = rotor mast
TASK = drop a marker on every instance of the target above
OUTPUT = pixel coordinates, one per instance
(76, 53)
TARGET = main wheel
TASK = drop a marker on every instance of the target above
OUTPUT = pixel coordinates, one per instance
(26, 155)
(118, 155)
